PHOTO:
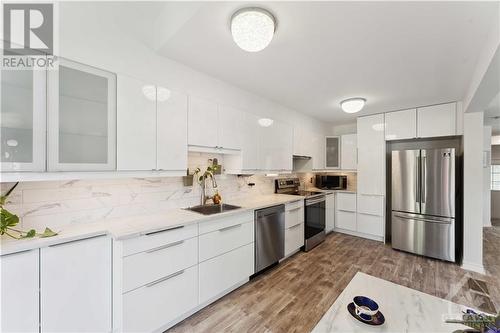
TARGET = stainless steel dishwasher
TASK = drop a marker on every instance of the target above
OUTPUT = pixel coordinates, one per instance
(269, 236)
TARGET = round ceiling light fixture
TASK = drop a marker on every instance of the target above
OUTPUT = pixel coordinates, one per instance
(265, 122)
(353, 105)
(253, 28)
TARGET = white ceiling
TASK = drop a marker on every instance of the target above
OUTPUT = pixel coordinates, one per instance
(395, 54)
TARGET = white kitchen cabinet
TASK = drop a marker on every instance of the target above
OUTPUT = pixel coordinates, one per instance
(23, 114)
(203, 119)
(345, 211)
(220, 274)
(75, 282)
(370, 224)
(151, 307)
(229, 127)
(81, 118)
(318, 149)
(136, 124)
(371, 155)
(19, 288)
(225, 239)
(276, 147)
(401, 125)
(370, 214)
(330, 212)
(332, 152)
(294, 226)
(348, 152)
(172, 130)
(437, 120)
(249, 159)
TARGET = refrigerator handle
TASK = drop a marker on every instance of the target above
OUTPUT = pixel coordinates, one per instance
(424, 180)
(417, 179)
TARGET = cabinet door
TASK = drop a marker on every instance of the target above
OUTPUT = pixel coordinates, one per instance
(348, 152)
(371, 155)
(81, 118)
(345, 220)
(437, 120)
(332, 152)
(202, 122)
(23, 115)
(250, 149)
(75, 282)
(19, 285)
(136, 124)
(318, 148)
(401, 125)
(171, 130)
(229, 126)
(330, 212)
(277, 147)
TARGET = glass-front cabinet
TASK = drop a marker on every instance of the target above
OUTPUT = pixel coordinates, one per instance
(22, 120)
(81, 118)
(332, 150)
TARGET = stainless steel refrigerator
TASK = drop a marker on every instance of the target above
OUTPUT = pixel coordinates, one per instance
(423, 202)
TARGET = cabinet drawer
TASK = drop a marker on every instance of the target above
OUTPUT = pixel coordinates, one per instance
(294, 238)
(216, 224)
(346, 201)
(345, 220)
(294, 205)
(371, 204)
(149, 308)
(158, 238)
(225, 239)
(223, 272)
(294, 216)
(145, 267)
(370, 224)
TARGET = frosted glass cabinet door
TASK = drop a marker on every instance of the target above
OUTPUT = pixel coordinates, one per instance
(82, 118)
(23, 120)
(332, 152)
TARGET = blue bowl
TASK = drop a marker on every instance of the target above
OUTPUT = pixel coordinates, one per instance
(365, 307)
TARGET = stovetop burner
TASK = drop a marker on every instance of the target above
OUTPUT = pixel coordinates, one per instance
(306, 193)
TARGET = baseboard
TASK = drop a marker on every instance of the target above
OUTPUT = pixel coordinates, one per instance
(359, 234)
(473, 267)
(200, 306)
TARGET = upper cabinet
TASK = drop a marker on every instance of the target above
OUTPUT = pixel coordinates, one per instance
(250, 149)
(81, 118)
(276, 147)
(23, 125)
(401, 125)
(151, 127)
(371, 155)
(214, 126)
(348, 152)
(318, 156)
(437, 120)
(332, 152)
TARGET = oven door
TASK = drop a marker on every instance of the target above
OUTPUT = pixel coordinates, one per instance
(315, 218)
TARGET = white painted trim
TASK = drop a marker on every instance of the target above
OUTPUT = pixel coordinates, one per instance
(359, 234)
(473, 267)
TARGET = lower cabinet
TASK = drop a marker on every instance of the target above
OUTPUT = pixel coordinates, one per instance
(75, 286)
(218, 274)
(345, 211)
(19, 289)
(330, 212)
(370, 218)
(294, 226)
(148, 308)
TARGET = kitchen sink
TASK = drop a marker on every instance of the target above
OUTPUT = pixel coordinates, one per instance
(212, 209)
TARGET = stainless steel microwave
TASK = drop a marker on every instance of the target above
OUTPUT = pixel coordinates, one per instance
(331, 182)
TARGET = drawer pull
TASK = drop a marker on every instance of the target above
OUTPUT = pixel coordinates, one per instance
(294, 209)
(164, 230)
(75, 241)
(294, 226)
(164, 246)
(230, 227)
(164, 279)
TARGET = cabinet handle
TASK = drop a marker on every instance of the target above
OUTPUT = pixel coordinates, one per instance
(295, 226)
(164, 279)
(163, 230)
(294, 209)
(165, 246)
(75, 241)
(230, 227)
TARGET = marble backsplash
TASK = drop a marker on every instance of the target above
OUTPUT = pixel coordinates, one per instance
(59, 203)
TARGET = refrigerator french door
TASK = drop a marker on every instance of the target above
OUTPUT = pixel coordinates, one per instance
(423, 202)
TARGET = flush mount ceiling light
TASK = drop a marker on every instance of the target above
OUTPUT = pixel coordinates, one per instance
(265, 122)
(150, 92)
(162, 94)
(353, 105)
(253, 28)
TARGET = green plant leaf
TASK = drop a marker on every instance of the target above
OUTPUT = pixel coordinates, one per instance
(30, 234)
(48, 233)
(7, 219)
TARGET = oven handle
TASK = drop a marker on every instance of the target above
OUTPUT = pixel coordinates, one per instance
(315, 201)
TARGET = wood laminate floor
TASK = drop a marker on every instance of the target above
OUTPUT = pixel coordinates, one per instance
(293, 296)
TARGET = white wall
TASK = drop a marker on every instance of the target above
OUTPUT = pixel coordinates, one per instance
(345, 129)
(487, 177)
(103, 45)
(473, 192)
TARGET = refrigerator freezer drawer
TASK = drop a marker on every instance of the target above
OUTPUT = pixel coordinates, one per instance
(424, 236)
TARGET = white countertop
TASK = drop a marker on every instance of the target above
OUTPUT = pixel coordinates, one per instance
(133, 226)
(404, 309)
